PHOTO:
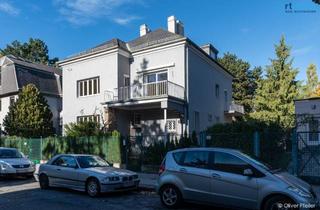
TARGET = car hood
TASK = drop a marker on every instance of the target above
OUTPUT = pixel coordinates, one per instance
(293, 181)
(16, 161)
(110, 171)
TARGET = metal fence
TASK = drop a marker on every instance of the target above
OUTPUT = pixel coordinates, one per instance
(37, 149)
(306, 156)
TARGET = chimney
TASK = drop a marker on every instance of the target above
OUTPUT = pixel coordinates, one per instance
(144, 30)
(210, 50)
(175, 26)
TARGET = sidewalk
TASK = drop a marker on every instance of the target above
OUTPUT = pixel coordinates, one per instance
(148, 181)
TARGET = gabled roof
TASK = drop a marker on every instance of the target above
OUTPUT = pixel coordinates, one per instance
(41, 67)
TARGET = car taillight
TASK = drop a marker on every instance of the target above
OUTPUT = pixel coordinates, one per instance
(162, 167)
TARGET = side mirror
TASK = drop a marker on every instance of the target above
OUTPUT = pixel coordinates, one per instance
(247, 172)
(111, 164)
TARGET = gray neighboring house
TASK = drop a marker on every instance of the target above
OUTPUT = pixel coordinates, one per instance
(17, 72)
(157, 84)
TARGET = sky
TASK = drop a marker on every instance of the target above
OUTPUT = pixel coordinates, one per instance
(247, 28)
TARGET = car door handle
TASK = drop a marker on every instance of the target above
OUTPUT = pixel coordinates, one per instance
(58, 169)
(183, 170)
(214, 175)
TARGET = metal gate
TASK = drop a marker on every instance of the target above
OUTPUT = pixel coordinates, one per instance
(306, 156)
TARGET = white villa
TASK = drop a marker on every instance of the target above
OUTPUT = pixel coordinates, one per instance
(159, 83)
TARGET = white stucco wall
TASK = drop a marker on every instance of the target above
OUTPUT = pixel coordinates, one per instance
(171, 58)
(5, 103)
(203, 75)
(105, 67)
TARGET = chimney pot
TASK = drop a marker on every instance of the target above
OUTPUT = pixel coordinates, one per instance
(144, 30)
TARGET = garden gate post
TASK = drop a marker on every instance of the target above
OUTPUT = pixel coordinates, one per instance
(256, 144)
(294, 152)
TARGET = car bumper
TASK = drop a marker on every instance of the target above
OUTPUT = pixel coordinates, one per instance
(17, 172)
(115, 187)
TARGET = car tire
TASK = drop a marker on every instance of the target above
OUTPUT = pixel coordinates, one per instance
(93, 187)
(44, 182)
(170, 196)
(278, 202)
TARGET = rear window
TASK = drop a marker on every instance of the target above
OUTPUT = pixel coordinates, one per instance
(178, 157)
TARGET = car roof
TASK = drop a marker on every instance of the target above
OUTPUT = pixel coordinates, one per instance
(75, 155)
(221, 149)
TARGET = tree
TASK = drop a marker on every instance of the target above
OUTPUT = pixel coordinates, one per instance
(30, 115)
(35, 50)
(81, 129)
(312, 81)
(273, 102)
(245, 79)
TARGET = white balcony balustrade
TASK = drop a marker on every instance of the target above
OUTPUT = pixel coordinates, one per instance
(146, 90)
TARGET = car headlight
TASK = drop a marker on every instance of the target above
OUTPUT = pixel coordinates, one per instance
(110, 179)
(299, 192)
(4, 166)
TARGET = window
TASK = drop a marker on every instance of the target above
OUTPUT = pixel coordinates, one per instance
(89, 118)
(11, 100)
(217, 119)
(229, 163)
(155, 77)
(217, 90)
(0, 105)
(65, 161)
(126, 80)
(171, 125)
(197, 159)
(209, 117)
(88, 87)
(178, 157)
(136, 119)
(313, 130)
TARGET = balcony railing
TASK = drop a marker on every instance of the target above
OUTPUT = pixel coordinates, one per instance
(146, 90)
(235, 108)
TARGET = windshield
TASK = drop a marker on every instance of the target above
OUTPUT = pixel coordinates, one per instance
(259, 162)
(91, 161)
(10, 153)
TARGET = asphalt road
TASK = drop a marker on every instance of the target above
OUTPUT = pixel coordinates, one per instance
(21, 194)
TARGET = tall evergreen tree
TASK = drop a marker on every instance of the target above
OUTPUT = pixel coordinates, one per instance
(312, 81)
(35, 50)
(275, 93)
(244, 84)
(30, 115)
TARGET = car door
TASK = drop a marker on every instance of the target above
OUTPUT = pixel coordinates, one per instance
(64, 172)
(195, 174)
(229, 186)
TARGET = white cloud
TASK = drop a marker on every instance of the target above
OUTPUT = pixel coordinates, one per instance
(83, 12)
(8, 8)
(125, 20)
(302, 51)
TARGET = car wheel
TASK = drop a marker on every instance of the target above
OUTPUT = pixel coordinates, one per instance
(44, 181)
(170, 196)
(278, 203)
(93, 187)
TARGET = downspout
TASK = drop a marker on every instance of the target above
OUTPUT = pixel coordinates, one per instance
(186, 60)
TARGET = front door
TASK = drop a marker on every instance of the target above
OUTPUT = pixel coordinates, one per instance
(195, 174)
(229, 185)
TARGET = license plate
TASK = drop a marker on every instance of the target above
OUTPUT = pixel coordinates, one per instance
(21, 170)
(128, 184)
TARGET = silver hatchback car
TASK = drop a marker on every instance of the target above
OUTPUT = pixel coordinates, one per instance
(229, 178)
(85, 173)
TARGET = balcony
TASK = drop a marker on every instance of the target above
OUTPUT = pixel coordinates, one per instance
(235, 109)
(145, 91)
